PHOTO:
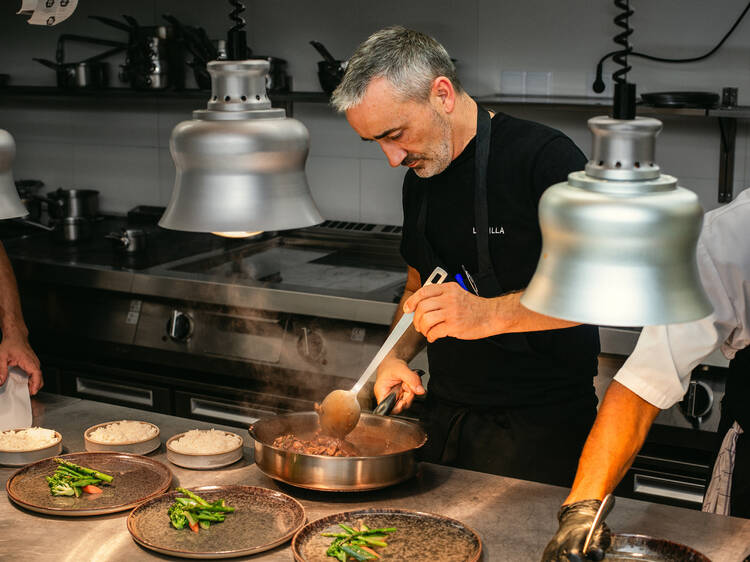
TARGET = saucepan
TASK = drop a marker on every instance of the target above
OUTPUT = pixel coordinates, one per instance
(330, 70)
(73, 203)
(387, 448)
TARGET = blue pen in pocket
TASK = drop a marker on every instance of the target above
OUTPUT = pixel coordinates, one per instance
(460, 281)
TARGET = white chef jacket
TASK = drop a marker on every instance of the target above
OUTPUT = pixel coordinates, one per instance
(659, 368)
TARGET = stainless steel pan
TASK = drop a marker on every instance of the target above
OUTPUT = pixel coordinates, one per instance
(388, 447)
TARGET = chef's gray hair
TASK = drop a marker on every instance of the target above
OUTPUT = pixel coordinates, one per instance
(408, 59)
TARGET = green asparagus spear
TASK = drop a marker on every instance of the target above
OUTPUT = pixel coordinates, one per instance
(100, 475)
(199, 500)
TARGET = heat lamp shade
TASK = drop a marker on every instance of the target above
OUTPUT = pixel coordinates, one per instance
(240, 175)
(10, 203)
(618, 258)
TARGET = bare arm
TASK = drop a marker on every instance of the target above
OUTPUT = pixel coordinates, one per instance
(618, 434)
(448, 310)
(412, 342)
(14, 348)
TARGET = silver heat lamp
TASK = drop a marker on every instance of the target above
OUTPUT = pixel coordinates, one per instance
(11, 206)
(240, 164)
(619, 238)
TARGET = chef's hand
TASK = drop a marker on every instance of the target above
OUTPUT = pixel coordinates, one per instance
(16, 351)
(448, 310)
(392, 372)
(575, 521)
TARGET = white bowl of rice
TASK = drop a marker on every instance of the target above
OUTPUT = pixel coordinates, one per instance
(124, 436)
(23, 446)
(204, 448)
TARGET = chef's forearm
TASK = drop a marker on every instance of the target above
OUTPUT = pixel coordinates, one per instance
(618, 434)
(11, 317)
(412, 342)
(509, 316)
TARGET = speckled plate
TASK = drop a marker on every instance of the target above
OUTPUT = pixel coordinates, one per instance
(419, 536)
(262, 519)
(649, 549)
(136, 479)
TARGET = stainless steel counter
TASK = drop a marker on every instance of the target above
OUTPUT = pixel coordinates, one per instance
(514, 518)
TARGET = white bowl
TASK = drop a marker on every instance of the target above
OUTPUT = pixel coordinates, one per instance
(203, 461)
(138, 447)
(21, 458)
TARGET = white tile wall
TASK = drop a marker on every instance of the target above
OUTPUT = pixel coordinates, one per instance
(334, 183)
(47, 161)
(381, 192)
(126, 176)
(123, 150)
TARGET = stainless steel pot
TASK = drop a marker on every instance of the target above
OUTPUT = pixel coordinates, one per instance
(71, 203)
(129, 240)
(72, 229)
(388, 446)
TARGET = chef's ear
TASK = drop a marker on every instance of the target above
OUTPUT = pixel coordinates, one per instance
(443, 94)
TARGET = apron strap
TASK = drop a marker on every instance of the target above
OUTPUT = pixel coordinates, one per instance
(481, 219)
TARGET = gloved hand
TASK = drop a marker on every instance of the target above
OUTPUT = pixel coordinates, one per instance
(575, 521)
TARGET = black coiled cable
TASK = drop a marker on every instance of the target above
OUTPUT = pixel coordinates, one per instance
(236, 39)
(621, 57)
(236, 15)
(599, 84)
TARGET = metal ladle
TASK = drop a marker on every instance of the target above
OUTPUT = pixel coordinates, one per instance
(339, 412)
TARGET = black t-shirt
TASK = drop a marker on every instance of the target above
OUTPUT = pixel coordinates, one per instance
(510, 369)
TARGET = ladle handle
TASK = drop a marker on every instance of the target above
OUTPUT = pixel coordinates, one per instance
(606, 506)
(437, 276)
(386, 404)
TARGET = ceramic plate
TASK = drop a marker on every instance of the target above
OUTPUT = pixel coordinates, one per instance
(136, 479)
(137, 447)
(262, 519)
(649, 549)
(418, 537)
(200, 461)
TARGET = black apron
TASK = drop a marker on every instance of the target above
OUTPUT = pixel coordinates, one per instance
(735, 407)
(540, 443)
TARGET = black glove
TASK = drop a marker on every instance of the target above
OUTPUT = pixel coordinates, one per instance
(575, 521)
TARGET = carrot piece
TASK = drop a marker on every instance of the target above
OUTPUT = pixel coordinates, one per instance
(91, 489)
(371, 551)
(194, 527)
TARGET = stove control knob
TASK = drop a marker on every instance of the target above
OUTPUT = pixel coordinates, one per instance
(698, 401)
(179, 326)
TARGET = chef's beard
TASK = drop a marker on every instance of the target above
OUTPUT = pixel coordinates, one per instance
(437, 157)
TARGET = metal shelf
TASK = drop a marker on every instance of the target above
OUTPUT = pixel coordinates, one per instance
(13, 94)
(727, 118)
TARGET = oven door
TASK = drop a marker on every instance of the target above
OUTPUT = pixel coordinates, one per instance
(669, 471)
(241, 412)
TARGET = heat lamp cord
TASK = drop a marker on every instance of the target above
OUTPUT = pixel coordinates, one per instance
(599, 85)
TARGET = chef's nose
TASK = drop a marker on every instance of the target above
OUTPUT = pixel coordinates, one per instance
(393, 153)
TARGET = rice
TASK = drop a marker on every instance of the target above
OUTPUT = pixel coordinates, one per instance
(123, 432)
(27, 439)
(205, 442)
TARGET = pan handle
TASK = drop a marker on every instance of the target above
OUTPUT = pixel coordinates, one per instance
(386, 405)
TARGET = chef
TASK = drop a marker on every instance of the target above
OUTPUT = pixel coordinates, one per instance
(14, 347)
(511, 391)
(656, 376)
